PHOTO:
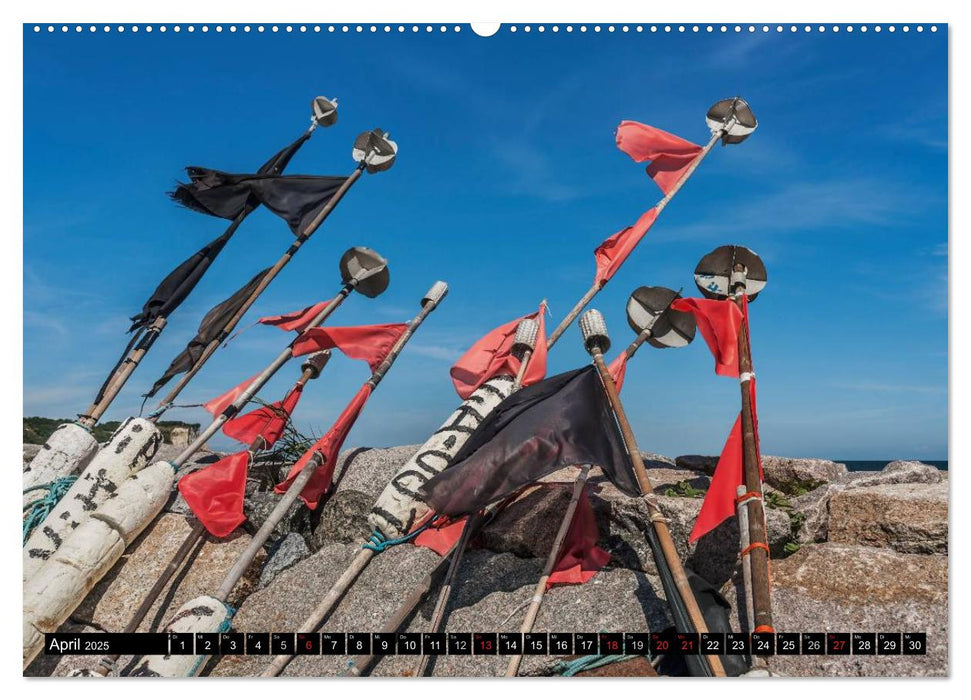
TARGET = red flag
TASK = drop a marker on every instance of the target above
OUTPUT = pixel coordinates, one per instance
(329, 447)
(295, 320)
(612, 253)
(441, 537)
(580, 558)
(215, 493)
(219, 404)
(492, 356)
(718, 321)
(719, 503)
(267, 422)
(618, 370)
(729, 474)
(670, 155)
(368, 343)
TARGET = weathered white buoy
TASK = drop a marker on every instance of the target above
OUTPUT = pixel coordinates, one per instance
(399, 507)
(67, 451)
(132, 446)
(202, 614)
(64, 580)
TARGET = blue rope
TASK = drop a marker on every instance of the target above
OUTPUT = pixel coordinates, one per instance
(37, 510)
(377, 542)
(588, 663)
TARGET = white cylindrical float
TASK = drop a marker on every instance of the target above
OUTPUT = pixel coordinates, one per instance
(67, 451)
(132, 446)
(399, 507)
(202, 614)
(64, 580)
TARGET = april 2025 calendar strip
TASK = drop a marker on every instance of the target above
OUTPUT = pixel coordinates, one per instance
(489, 643)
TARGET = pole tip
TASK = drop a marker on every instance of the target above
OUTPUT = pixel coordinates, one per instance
(593, 328)
(315, 363)
(526, 333)
(324, 111)
(435, 294)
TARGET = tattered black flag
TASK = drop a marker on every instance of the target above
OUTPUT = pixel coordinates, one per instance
(177, 285)
(562, 421)
(210, 329)
(295, 198)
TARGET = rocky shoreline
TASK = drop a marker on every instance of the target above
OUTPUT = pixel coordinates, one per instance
(852, 551)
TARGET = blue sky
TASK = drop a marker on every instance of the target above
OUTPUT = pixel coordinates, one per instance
(506, 181)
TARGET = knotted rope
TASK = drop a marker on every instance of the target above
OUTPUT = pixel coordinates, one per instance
(36, 511)
(588, 663)
(377, 542)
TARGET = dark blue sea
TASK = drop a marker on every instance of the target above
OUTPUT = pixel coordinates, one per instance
(875, 465)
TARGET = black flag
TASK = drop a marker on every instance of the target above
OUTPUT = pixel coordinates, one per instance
(280, 160)
(210, 329)
(295, 198)
(177, 285)
(562, 421)
(173, 290)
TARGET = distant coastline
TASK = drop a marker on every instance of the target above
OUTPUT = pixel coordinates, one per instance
(875, 465)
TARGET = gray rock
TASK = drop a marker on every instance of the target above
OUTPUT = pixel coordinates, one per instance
(791, 475)
(258, 506)
(527, 528)
(368, 470)
(845, 588)
(813, 509)
(286, 553)
(490, 595)
(899, 472)
(177, 504)
(714, 555)
(814, 506)
(787, 474)
(699, 463)
(360, 477)
(653, 460)
(109, 606)
(910, 518)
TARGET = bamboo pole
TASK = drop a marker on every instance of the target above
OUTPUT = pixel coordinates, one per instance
(758, 547)
(337, 591)
(540, 590)
(658, 522)
(361, 664)
(311, 370)
(438, 614)
(127, 366)
(741, 510)
(525, 340)
(663, 202)
(211, 348)
(259, 381)
(121, 374)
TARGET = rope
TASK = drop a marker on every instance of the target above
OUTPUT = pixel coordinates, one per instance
(588, 663)
(377, 542)
(166, 406)
(37, 510)
(755, 545)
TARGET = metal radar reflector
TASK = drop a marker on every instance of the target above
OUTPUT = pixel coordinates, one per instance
(324, 111)
(367, 269)
(375, 150)
(715, 273)
(649, 309)
(734, 116)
